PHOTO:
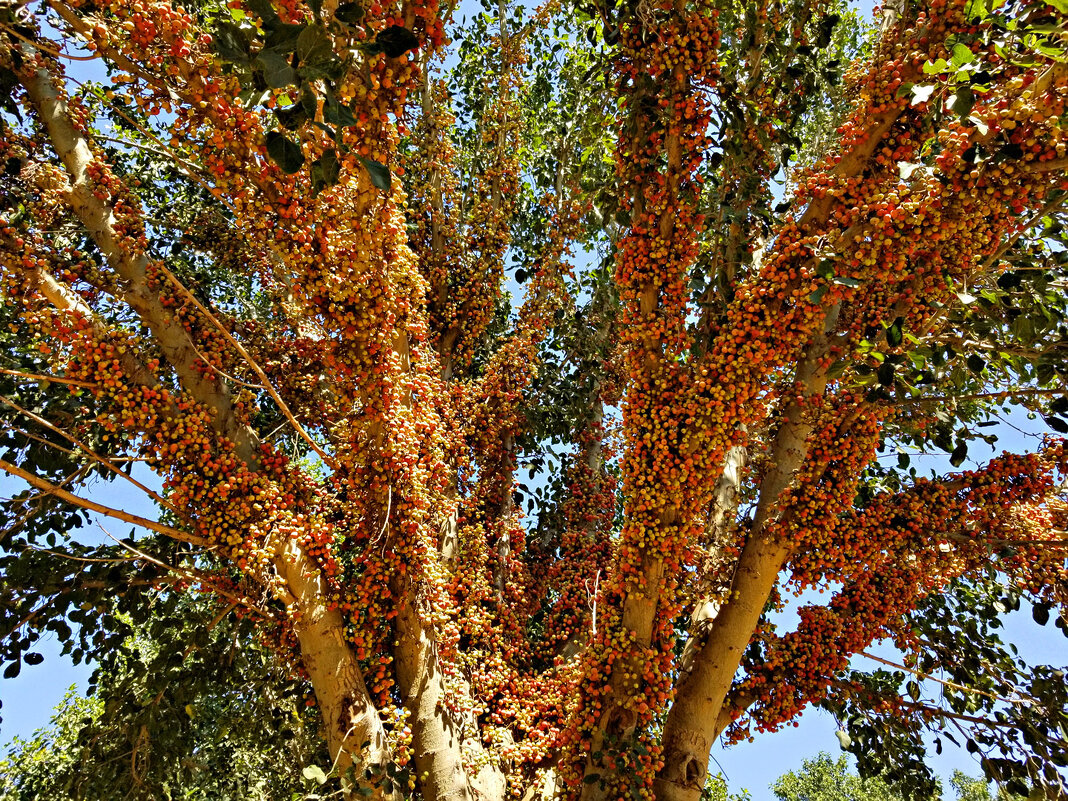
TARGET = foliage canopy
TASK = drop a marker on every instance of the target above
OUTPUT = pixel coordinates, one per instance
(534, 549)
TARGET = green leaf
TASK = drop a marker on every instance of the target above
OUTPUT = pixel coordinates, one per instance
(12, 670)
(277, 71)
(853, 283)
(349, 13)
(962, 101)
(292, 117)
(886, 374)
(250, 98)
(817, 294)
(284, 152)
(283, 37)
(932, 68)
(976, 363)
(325, 171)
(826, 30)
(380, 174)
(396, 40)
(1040, 612)
(961, 55)
(314, 773)
(230, 43)
(913, 689)
(265, 10)
(844, 740)
(960, 453)
(315, 49)
(337, 113)
(1057, 424)
(893, 333)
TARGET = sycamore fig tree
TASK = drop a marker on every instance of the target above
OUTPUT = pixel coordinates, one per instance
(266, 250)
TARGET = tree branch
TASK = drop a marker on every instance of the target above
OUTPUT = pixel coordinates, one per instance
(51, 489)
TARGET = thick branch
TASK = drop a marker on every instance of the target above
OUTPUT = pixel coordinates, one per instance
(99, 219)
(99, 508)
(690, 728)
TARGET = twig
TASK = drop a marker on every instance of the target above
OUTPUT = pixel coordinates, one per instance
(930, 710)
(1003, 249)
(72, 558)
(980, 395)
(45, 48)
(592, 596)
(952, 684)
(54, 379)
(90, 453)
(187, 573)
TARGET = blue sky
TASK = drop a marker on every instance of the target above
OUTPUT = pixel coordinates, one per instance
(28, 700)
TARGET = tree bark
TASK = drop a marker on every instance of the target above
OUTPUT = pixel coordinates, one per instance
(354, 731)
(131, 267)
(350, 718)
(694, 721)
(438, 758)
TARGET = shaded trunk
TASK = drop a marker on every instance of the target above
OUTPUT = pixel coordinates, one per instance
(435, 735)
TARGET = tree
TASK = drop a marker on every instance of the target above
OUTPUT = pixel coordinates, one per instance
(969, 789)
(538, 550)
(826, 779)
(177, 715)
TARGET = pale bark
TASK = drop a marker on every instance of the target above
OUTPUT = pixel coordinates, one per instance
(693, 722)
(349, 717)
(436, 737)
(720, 522)
(354, 731)
(639, 605)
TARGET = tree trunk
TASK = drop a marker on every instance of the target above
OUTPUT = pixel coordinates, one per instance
(354, 731)
(436, 737)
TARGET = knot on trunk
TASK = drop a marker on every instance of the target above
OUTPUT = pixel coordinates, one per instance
(621, 721)
(691, 772)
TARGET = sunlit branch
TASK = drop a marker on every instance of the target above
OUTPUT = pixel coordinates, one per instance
(1004, 394)
(45, 48)
(1050, 207)
(943, 682)
(926, 709)
(265, 381)
(51, 489)
(185, 572)
(51, 378)
(81, 446)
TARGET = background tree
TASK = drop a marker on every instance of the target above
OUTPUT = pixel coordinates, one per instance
(826, 779)
(266, 259)
(187, 707)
